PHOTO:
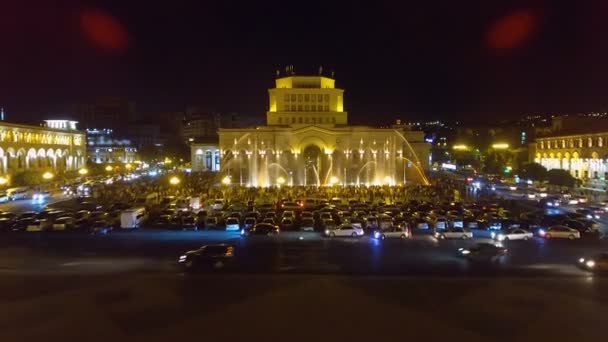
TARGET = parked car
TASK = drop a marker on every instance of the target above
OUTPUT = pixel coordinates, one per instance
(512, 234)
(399, 232)
(232, 224)
(345, 230)
(560, 232)
(307, 224)
(454, 233)
(261, 229)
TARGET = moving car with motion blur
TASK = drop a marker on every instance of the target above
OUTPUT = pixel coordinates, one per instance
(395, 232)
(454, 233)
(484, 252)
(345, 230)
(560, 232)
(261, 229)
(596, 263)
(208, 257)
(512, 234)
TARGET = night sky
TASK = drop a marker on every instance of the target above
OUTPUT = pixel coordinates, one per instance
(417, 59)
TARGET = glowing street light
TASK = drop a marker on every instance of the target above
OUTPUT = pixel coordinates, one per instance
(109, 168)
(128, 166)
(388, 180)
(460, 147)
(174, 180)
(48, 175)
(280, 181)
(333, 180)
(226, 180)
(500, 146)
(3, 180)
(83, 172)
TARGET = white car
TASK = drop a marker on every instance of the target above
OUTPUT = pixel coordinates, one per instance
(232, 224)
(560, 232)
(456, 233)
(393, 232)
(217, 205)
(345, 230)
(513, 234)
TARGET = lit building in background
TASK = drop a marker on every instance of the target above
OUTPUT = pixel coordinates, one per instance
(102, 147)
(575, 143)
(585, 156)
(205, 157)
(48, 148)
(307, 141)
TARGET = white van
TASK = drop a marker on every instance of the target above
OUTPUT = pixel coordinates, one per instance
(131, 218)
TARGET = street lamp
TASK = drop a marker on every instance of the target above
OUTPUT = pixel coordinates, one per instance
(226, 180)
(174, 180)
(109, 168)
(128, 166)
(83, 172)
(500, 146)
(48, 175)
(3, 180)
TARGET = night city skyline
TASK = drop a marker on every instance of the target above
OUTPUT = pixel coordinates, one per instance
(452, 61)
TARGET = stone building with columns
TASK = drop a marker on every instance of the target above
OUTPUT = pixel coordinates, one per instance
(57, 147)
(307, 141)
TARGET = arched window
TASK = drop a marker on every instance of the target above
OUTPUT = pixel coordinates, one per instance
(333, 120)
(300, 119)
(293, 119)
(600, 142)
(590, 142)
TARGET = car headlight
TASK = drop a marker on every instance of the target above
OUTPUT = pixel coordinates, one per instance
(501, 237)
(376, 235)
(493, 235)
(182, 258)
(597, 217)
(326, 231)
(581, 260)
(242, 231)
(590, 263)
(541, 232)
(465, 251)
(589, 216)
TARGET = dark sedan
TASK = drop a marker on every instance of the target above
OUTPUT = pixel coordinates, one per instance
(208, 257)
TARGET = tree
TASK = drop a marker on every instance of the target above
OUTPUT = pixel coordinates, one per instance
(534, 171)
(560, 177)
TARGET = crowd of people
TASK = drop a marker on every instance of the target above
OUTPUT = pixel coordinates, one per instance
(208, 188)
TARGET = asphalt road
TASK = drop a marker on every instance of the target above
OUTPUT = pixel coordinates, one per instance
(290, 252)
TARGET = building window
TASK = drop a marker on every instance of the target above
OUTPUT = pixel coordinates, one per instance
(571, 143)
(576, 173)
(208, 160)
(293, 108)
(600, 142)
(299, 108)
(306, 108)
(306, 97)
(217, 161)
(300, 119)
(293, 97)
(326, 108)
(299, 97)
(280, 120)
(286, 97)
(320, 98)
(313, 97)
(595, 174)
(542, 145)
(589, 142)
(333, 120)
(580, 142)
(286, 107)
(326, 97)
(563, 143)
(326, 120)
(306, 120)
(293, 119)
(314, 120)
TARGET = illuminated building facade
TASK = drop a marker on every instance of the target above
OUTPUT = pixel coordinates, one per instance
(307, 141)
(205, 157)
(585, 156)
(57, 147)
(102, 147)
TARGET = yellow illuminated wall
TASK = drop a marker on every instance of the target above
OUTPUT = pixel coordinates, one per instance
(306, 100)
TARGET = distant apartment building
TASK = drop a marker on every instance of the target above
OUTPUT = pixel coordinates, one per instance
(103, 147)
